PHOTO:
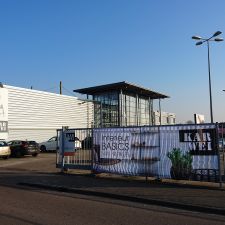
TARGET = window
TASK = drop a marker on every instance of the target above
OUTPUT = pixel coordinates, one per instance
(3, 143)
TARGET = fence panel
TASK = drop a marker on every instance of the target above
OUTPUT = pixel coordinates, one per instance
(189, 152)
(75, 150)
(221, 143)
(128, 150)
(177, 151)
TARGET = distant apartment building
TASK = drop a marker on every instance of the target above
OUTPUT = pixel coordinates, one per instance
(166, 118)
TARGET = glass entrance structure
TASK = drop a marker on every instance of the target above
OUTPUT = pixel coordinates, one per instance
(121, 104)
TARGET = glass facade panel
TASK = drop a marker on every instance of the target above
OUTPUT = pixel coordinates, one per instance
(119, 109)
(135, 110)
(106, 110)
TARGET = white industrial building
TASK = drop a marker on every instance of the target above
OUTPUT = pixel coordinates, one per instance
(36, 115)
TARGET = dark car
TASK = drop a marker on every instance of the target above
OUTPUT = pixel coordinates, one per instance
(20, 148)
(87, 143)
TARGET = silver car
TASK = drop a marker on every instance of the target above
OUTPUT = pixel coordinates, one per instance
(52, 143)
(4, 150)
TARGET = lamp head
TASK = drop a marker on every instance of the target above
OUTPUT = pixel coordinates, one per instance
(218, 39)
(196, 37)
(199, 43)
(217, 33)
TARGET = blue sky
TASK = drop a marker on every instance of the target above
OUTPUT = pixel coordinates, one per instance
(91, 42)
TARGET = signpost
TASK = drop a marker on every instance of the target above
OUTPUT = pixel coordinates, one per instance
(67, 144)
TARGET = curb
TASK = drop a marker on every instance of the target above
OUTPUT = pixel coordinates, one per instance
(195, 208)
(163, 182)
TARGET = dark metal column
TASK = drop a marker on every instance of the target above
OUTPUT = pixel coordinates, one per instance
(160, 112)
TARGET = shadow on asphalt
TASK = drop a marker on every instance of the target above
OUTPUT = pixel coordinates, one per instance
(152, 193)
(21, 175)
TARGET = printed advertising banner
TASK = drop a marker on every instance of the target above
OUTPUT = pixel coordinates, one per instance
(126, 150)
(115, 145)
(151, 150)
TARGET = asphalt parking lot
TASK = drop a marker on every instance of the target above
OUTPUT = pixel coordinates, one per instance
(44, 162)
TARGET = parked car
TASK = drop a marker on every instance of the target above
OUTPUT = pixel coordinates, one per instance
(53, 143)
(20, 148)
(50, 145)
(87, 143)
(4, 150)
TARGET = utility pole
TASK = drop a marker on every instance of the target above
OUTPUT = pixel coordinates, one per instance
(60, 87)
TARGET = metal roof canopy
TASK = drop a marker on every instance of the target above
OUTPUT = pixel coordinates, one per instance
(124, 86)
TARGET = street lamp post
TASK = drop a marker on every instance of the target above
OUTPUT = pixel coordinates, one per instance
(207, 40)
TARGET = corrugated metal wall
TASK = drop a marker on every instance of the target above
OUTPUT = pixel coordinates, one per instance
(36, 114)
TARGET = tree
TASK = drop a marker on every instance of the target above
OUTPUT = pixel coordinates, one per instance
(189, 122)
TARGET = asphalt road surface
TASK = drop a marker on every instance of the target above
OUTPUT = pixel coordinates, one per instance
(21, 205)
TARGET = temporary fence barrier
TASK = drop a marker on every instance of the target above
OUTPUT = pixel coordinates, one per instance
(221, 147)
(175, 151)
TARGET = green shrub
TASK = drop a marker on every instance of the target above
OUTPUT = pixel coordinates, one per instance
(178, 159)
(181, 163)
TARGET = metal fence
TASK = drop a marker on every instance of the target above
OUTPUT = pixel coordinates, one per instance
(193, 152)
(221, 147)
(80, 154)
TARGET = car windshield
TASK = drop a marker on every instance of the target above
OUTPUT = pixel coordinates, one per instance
(3, 143)
(32, 142)
(53, 139)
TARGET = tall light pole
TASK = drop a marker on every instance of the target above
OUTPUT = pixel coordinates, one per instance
(207, 40)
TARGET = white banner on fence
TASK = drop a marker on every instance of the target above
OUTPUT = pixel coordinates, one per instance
(144, 150)
(126, 150)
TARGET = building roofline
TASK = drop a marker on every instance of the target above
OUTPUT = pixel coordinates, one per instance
(38, 91)
(125, 86)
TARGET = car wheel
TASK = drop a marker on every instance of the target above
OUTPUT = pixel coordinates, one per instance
(43, 148)
(18, 154)
(6, 157)
(35, 154)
